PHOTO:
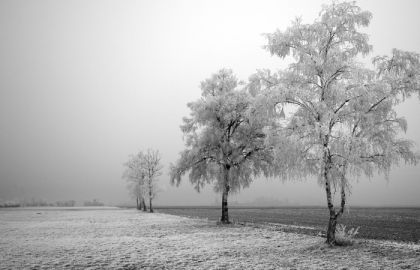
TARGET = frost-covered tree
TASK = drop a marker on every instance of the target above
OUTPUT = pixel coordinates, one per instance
(135, 176)
(369, 141)
(152, 168)
(344, 123)
(224, 141)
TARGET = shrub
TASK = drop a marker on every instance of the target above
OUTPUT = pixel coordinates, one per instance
(343, 237)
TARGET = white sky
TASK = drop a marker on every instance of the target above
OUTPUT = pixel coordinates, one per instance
(83, 84)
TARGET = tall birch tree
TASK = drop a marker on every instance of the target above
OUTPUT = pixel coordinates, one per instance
(344, 122)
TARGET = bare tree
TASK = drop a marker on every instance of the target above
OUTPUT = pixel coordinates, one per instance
(135, 176)
(152, 167)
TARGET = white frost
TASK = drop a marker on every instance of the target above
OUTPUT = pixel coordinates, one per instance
(128, 239)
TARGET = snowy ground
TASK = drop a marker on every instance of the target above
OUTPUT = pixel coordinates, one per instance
(128, 239)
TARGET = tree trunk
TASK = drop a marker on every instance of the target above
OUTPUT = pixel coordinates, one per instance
(225, 213)
(332, 223)
(143, 203)
(150, 205)
(138, 206)
(343, 196)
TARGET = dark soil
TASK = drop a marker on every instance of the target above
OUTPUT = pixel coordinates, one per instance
(398, 224)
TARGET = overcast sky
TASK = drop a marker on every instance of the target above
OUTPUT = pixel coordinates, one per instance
(84, 84)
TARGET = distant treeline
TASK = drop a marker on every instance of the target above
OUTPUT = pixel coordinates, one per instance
(43, 203)
(95, 202)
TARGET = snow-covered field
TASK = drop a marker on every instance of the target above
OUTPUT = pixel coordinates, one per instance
(128, 239)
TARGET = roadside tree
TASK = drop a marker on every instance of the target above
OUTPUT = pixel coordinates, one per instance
(224, 139)
(343, 123)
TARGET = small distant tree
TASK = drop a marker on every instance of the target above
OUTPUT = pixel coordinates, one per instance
(344, 123)
(135, 176)
(225, 143)
(152, 168)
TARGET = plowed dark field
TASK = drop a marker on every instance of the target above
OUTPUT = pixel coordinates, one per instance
(398, 224)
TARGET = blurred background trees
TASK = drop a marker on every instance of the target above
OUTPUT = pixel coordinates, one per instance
(141, 173)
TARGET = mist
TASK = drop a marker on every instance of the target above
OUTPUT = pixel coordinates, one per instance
(84, 84)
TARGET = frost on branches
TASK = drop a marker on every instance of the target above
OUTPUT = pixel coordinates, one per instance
(135, 175)
(142, 172)
(224, 141)
(344, 122)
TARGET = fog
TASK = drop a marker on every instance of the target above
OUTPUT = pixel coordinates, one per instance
(84, 84)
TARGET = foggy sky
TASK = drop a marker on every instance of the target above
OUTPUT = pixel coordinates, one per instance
(84, 84)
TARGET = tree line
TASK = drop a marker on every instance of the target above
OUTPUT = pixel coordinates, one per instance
(44, 203)
(325, 115)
